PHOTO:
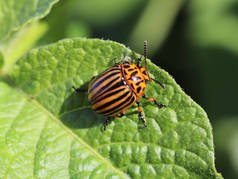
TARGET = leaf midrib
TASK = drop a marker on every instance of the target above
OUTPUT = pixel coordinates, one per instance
(77, 138)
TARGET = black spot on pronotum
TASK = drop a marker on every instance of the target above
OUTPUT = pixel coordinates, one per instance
(137, 83)
(144, 72)
(126, 66)
(138, 90)
(134, 73)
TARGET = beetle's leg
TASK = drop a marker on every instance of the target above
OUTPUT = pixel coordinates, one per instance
(154, 101)
(140, 114)
(107, 122)
(122, 113)
(79, 90)
(158, 82)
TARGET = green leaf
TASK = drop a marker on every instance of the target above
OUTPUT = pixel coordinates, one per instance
(15, 14)
(49, 131)
(101, 16)
(20, 43)
(1, 60)
(34, 143)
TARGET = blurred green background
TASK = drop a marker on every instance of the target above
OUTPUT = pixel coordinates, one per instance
(195, 41)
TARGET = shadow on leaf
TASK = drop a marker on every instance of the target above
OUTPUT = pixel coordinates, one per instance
(76, 112)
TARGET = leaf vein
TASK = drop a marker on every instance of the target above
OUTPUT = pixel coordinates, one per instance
(77, 138)
(142, 143)
(36, 148)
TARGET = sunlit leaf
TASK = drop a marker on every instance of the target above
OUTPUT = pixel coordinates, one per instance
(48, 131)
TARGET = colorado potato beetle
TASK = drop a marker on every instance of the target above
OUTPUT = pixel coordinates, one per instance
(116, 89)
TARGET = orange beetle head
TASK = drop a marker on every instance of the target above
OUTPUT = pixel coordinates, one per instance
(145, 74)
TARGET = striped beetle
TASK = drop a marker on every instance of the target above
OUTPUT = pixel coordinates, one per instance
(116, 89)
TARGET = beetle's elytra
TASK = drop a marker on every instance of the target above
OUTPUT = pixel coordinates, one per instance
(117, 88)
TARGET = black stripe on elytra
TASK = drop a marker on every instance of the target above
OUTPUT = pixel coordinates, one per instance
(108, 95)
(108, 71)
(104, 87)
(116, 85)
(118, 106)
(132, 85)
(112, 101)
(131, 69)
(125, 72)
(138, 89)
(105, 77)
(113, 111)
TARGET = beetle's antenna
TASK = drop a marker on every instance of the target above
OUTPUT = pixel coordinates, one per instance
(158, 82)
(145, 53)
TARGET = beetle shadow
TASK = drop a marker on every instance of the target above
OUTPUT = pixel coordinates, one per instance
(76, 112)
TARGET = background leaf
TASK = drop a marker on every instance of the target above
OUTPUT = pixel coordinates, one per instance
(15, 14)
(227, 149)
(63, 136)
(1, 60)
(211, 32)
(155, 24)
(20, 43)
